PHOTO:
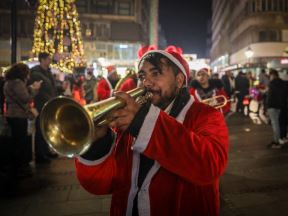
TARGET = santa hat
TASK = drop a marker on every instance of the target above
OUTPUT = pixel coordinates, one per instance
(175, 57)
(111, 69)
(205, 70)
(174, 49)
(144, 49)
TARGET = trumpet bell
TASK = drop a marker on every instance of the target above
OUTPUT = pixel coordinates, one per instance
(70, 128)
(66, 126)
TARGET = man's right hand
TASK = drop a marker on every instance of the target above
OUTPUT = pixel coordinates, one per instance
(122, 117)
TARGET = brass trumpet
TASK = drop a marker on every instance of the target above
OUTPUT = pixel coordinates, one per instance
(214, 101)
(69, 128)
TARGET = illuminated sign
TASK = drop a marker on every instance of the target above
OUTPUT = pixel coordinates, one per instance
(284, 61)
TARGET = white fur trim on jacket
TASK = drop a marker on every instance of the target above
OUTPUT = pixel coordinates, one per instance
(99, 161)
(146, 129)
(181, 116)
(141, 143)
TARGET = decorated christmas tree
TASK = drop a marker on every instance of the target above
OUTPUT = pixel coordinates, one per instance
(57, 31)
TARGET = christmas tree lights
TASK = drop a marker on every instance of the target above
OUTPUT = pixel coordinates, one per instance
(57, 31)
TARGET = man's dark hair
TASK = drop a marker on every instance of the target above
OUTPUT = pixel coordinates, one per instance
(43, 55)
(274, 73)
(17, 71)
(155, 60)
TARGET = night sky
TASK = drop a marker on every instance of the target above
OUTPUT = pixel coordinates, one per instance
(185, 24)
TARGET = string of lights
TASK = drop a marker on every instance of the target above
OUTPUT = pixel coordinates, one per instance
(57, 31)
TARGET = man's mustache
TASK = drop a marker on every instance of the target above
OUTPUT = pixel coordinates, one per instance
(153, 91)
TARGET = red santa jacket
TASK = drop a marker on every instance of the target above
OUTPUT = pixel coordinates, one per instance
(194, 91)
(128, 85)
(104, 89)
(190, 154)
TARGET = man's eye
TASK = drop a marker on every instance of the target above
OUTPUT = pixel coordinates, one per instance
(155, 73)
(141, 77)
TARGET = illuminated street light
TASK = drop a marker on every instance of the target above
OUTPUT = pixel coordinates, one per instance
(123, 46)
(249, 53)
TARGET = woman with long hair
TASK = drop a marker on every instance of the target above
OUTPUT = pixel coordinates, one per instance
(18, 98)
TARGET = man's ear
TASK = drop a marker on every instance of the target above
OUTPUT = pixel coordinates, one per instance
(180, 80)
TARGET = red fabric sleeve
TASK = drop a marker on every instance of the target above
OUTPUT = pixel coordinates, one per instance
(128, 85)
(103, 90)
(197, 150)
(97, 179)
(192, 92)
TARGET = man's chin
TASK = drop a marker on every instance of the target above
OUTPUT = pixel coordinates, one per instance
(155, 100)
(158, 103)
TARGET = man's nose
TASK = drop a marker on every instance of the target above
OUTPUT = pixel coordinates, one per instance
(148, 82)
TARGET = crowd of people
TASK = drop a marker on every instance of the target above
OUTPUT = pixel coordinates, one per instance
(146, 153)
(265, 96)
(23, 90)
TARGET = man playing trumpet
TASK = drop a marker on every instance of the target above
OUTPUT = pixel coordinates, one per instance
(209, 91)
(164, 157)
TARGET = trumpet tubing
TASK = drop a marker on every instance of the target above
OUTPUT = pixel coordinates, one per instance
(217, 102)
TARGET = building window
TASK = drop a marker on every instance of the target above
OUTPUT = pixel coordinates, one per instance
(101, 7)
(84, 28)
(264, 7)
(102, 31)
(29, 27)
(286, 5)
(258, 5)
(124, 8)
(81, 5)
(270, 35)
(275, 5)
(253, 6)
(269, 5)
(285, 35)
(101, 46)
(281, 8)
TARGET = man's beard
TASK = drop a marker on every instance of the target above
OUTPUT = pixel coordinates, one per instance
(165, 100)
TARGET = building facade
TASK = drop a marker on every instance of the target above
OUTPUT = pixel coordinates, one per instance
(112, 30)
(249, 35)
(25, 25)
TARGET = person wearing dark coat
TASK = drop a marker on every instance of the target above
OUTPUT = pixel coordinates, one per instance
(46, 92)
(276, 101)
(228, 81)
(241, 89)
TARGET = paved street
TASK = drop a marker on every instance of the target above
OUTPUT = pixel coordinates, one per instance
(255, 182)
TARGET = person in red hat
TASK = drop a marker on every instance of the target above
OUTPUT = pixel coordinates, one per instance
(164, 157)
(105, 86)
(129, 82)
(78, 91)
(203, 88)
